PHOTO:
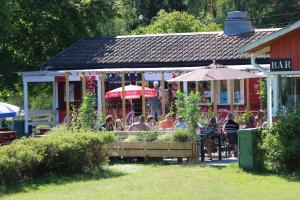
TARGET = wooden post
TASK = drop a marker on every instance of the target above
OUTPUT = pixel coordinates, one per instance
(196, 87)
(215, 88)
(143, 95)
(178, 86)
(103, 93)
(231, 97)
(83, 84)
(163, 95)
(248, 93)
(123, 99)
(67, 96)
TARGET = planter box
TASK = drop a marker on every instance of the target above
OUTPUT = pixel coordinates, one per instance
(153, 150)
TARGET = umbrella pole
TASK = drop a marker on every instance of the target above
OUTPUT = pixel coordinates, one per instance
(143, 95)
(163, 95)
(196, 87)
(123, 99)
(103, 93)
(215, 98)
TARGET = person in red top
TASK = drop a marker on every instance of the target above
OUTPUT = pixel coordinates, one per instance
(251, 122)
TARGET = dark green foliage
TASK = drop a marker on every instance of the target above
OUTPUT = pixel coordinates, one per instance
(87, 111)
(62, 152)
(281, 143)
(262, 93)
(85, 117)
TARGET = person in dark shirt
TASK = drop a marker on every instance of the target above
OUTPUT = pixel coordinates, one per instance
(230, 131)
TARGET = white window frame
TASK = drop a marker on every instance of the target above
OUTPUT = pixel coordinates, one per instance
(242, 81)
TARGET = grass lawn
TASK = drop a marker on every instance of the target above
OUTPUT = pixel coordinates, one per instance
(134, 181)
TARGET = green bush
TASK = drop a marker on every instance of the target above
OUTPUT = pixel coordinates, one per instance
(188, 107)
(62, 151)
(182, 135)
(281, 143)
(131, 138)
(165, 138)
(147, 136)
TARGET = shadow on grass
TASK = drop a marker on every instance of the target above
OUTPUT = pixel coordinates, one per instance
(56, 179)
(289, 176)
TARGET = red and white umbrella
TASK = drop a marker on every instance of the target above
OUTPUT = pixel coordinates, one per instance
(131, 92)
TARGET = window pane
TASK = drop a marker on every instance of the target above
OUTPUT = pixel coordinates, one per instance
(223, 92)
(237, 95)
(205, 91)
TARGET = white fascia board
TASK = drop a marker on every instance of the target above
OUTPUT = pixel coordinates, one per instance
(37, 79)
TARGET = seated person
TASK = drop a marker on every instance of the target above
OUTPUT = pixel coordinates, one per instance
(167, 123)
(119, 126)
(230, 130)
(130, 117)
(251, 122)
(179, 124)
(212, 128)
(109, 123)
(151, 123)
(139, 126)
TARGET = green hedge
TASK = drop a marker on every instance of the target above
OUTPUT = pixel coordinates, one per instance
(281, 144)
(179, 135)
(63, 151)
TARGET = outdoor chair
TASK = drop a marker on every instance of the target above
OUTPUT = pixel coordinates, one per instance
(230, 142)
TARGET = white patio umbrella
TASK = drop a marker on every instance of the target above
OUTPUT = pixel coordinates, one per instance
(8, 110)
(214, 72)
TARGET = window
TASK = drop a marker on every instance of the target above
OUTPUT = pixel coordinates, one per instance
(238, 91)
(223, 92)
(205, 92)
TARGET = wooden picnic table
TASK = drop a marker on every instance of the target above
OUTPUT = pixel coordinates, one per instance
(7, 136)
(3, 129)
(44, 130)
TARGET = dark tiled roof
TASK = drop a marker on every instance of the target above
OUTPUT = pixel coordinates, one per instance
(154, 50)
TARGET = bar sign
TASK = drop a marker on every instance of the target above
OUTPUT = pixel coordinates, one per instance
(280, 65)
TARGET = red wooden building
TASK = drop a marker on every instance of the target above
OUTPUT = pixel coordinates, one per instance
(283, 46)
(155, 57)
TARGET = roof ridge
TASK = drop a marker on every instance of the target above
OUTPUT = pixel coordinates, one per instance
(173, 34)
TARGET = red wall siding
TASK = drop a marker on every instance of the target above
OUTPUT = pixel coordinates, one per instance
(253, 90)
(288, 46)
(62, 103)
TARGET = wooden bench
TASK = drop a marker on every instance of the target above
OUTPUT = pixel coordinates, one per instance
(43, 131)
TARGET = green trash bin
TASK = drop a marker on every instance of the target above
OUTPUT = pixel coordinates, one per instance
(18, 125)
(250, 156)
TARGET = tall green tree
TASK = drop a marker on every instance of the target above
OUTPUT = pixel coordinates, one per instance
(176, 22)
(40, 29)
